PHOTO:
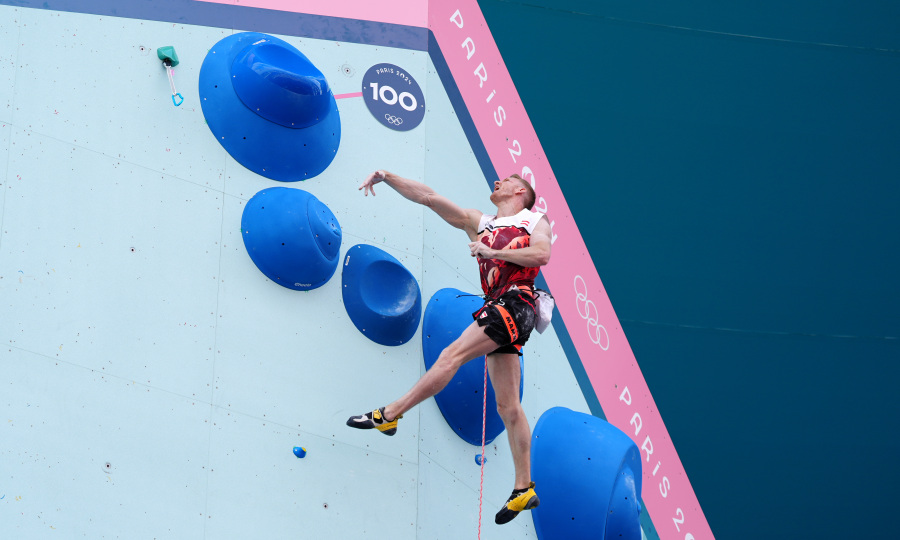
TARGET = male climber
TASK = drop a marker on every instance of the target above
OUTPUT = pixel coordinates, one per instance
(510, 246)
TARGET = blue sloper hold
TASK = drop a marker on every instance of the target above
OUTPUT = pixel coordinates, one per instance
(588, 475)
(270, 108)
(381, 296)
(446, 316)
(292, 237)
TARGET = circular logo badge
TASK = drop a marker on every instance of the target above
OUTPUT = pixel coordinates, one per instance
(393, 97)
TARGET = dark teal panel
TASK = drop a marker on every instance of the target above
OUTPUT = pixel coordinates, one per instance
(869, 25)
(738, 196)
(790, 435)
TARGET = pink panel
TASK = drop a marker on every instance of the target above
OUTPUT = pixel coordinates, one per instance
(407, 12)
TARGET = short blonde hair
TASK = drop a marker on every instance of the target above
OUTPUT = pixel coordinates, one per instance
(529, 191)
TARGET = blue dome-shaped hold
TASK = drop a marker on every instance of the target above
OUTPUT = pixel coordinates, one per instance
(325, 229)
(269, 107)
(292, 237)
(588, 474)
(381, 296)
(446, 316)
(281, 85)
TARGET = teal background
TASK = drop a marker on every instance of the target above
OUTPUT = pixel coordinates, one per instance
(734, 170)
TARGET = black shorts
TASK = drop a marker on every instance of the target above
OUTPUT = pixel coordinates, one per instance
(508, 320)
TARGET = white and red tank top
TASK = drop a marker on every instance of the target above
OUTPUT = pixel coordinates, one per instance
(513, 232)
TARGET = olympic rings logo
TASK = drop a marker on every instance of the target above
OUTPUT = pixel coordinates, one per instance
(588, 311)
(396, 120)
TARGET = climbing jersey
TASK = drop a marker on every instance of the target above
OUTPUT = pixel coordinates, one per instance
(511, 232)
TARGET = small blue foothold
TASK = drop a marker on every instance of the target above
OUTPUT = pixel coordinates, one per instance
(480, 459)
(299, 451)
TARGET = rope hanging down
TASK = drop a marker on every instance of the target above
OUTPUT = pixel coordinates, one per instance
(483, 426)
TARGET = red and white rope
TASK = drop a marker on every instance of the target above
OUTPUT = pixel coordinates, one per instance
(483, 426)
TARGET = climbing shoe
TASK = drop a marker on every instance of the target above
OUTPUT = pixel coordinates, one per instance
(521, 499)
(375, 419)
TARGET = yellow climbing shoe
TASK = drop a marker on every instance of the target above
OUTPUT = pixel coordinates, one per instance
(521, 499)
(375, 419)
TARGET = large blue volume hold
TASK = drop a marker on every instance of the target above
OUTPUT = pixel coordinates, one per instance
(292, 237)
(269, 107)
(381, 296)
(281, 85)
(446, 316)
(588, 475)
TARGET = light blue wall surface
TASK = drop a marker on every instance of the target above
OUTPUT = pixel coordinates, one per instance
(153, 382)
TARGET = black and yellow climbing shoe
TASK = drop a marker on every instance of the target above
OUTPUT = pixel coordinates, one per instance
(521, 499)
(375, 419)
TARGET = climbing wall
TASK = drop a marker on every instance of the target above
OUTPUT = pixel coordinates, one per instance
(154, 381)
